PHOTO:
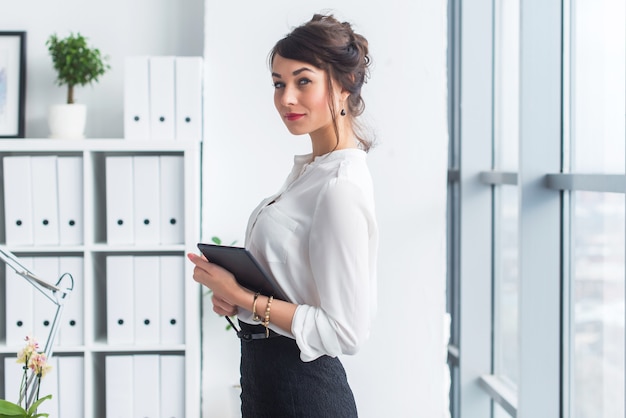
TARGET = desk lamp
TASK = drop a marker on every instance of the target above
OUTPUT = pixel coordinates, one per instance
(56, 293)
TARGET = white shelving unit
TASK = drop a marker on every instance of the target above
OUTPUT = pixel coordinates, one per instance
(95, 250)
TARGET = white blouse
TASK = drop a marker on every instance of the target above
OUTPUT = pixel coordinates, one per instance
(318, 236)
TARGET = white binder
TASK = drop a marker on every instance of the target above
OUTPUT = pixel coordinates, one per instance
(146, 303)
(172, 191)
(119, 199)
(188, 98)
(146, 386)
(13, 373)
(137, 98)
(71, 387)
(70, 193)
(19, 306)
(171, 279)
(18, 200)
(45, 201)
(172, 386)
(71, 330)
(162, 98)
(120, 300)
(50, 386)
(119, 386)
(146, 217)
(43, 309)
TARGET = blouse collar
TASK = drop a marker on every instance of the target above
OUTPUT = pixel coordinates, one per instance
(342, 154)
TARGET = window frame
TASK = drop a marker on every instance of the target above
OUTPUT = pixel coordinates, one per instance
(538, 392)
(545, 193)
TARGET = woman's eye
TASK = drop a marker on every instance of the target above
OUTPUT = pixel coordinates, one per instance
(304, 81)
(279, 85)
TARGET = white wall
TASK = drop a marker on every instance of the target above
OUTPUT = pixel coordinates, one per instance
(400, 372)
(118, 28)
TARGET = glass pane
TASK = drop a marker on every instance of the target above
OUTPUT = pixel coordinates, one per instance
(506, 286)
(499, 412)
(506, 89)
(598, 275)
(598, 88)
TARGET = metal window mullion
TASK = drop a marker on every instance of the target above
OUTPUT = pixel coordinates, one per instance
(495, 177)
(475, 129)
(453, 277)
(496, 282)
(539, 210)
(501, 392)
(604, 183)
(567, 308)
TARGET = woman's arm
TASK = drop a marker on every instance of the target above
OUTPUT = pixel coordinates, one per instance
(229, 296)
(342, 253)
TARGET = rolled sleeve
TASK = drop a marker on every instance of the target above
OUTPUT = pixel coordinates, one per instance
(341, 260)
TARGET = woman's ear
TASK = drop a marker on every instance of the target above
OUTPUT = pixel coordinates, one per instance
(344, 94)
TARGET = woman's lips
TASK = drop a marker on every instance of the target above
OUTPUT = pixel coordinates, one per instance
(294, 116)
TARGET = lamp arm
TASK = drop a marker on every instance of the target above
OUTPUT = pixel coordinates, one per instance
(56, 293)
(32, 383)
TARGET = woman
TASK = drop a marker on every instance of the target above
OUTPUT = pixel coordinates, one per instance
(317, 236)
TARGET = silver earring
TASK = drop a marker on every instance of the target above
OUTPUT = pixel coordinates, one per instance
(343, 112)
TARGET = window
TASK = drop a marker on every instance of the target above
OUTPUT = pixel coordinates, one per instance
(506, 84)
(537, 208)
(597, 301)
(597, 85)
(506, 289)
(506, 155)
(595, 134)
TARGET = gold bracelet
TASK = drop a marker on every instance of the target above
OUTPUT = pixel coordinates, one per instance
(266, 322)
(255, 316)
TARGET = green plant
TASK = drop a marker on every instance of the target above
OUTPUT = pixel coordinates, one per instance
(36, 361)
(11, 410)
(76, 63)
(218, 241)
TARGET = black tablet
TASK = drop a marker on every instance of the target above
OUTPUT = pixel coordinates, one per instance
(246, 269)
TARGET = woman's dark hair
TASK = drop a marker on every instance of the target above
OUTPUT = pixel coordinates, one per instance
(332, 46)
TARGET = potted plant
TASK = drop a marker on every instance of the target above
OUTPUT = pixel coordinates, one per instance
(29, 401)
(76, 64)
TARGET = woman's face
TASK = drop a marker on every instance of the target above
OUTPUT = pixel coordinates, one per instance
(301, 97)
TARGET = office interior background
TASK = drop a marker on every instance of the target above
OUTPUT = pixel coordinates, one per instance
(521, 101)
(247, 153)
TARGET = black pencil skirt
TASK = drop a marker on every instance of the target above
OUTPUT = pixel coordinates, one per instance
(275, 383)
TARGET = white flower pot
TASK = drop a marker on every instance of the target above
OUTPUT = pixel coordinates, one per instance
(67, 121)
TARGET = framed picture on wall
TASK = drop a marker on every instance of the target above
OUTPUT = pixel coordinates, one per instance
(12, 84)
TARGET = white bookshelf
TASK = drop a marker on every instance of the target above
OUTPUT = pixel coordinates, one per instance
(94, 251)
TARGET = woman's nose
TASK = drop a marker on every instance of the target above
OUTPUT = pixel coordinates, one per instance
(288, 97)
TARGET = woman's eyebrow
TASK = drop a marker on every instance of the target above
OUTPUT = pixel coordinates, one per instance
(300, 70)
(296, 72)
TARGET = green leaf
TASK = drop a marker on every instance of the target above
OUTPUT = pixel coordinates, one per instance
(34, 406)
(75, 62)
(218, 241)
(9, 409)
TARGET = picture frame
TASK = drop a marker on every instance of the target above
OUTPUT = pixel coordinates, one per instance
(12, 84)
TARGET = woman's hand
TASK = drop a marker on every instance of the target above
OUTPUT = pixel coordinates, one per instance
(221, 282)
(228, 295)
(223, 308)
